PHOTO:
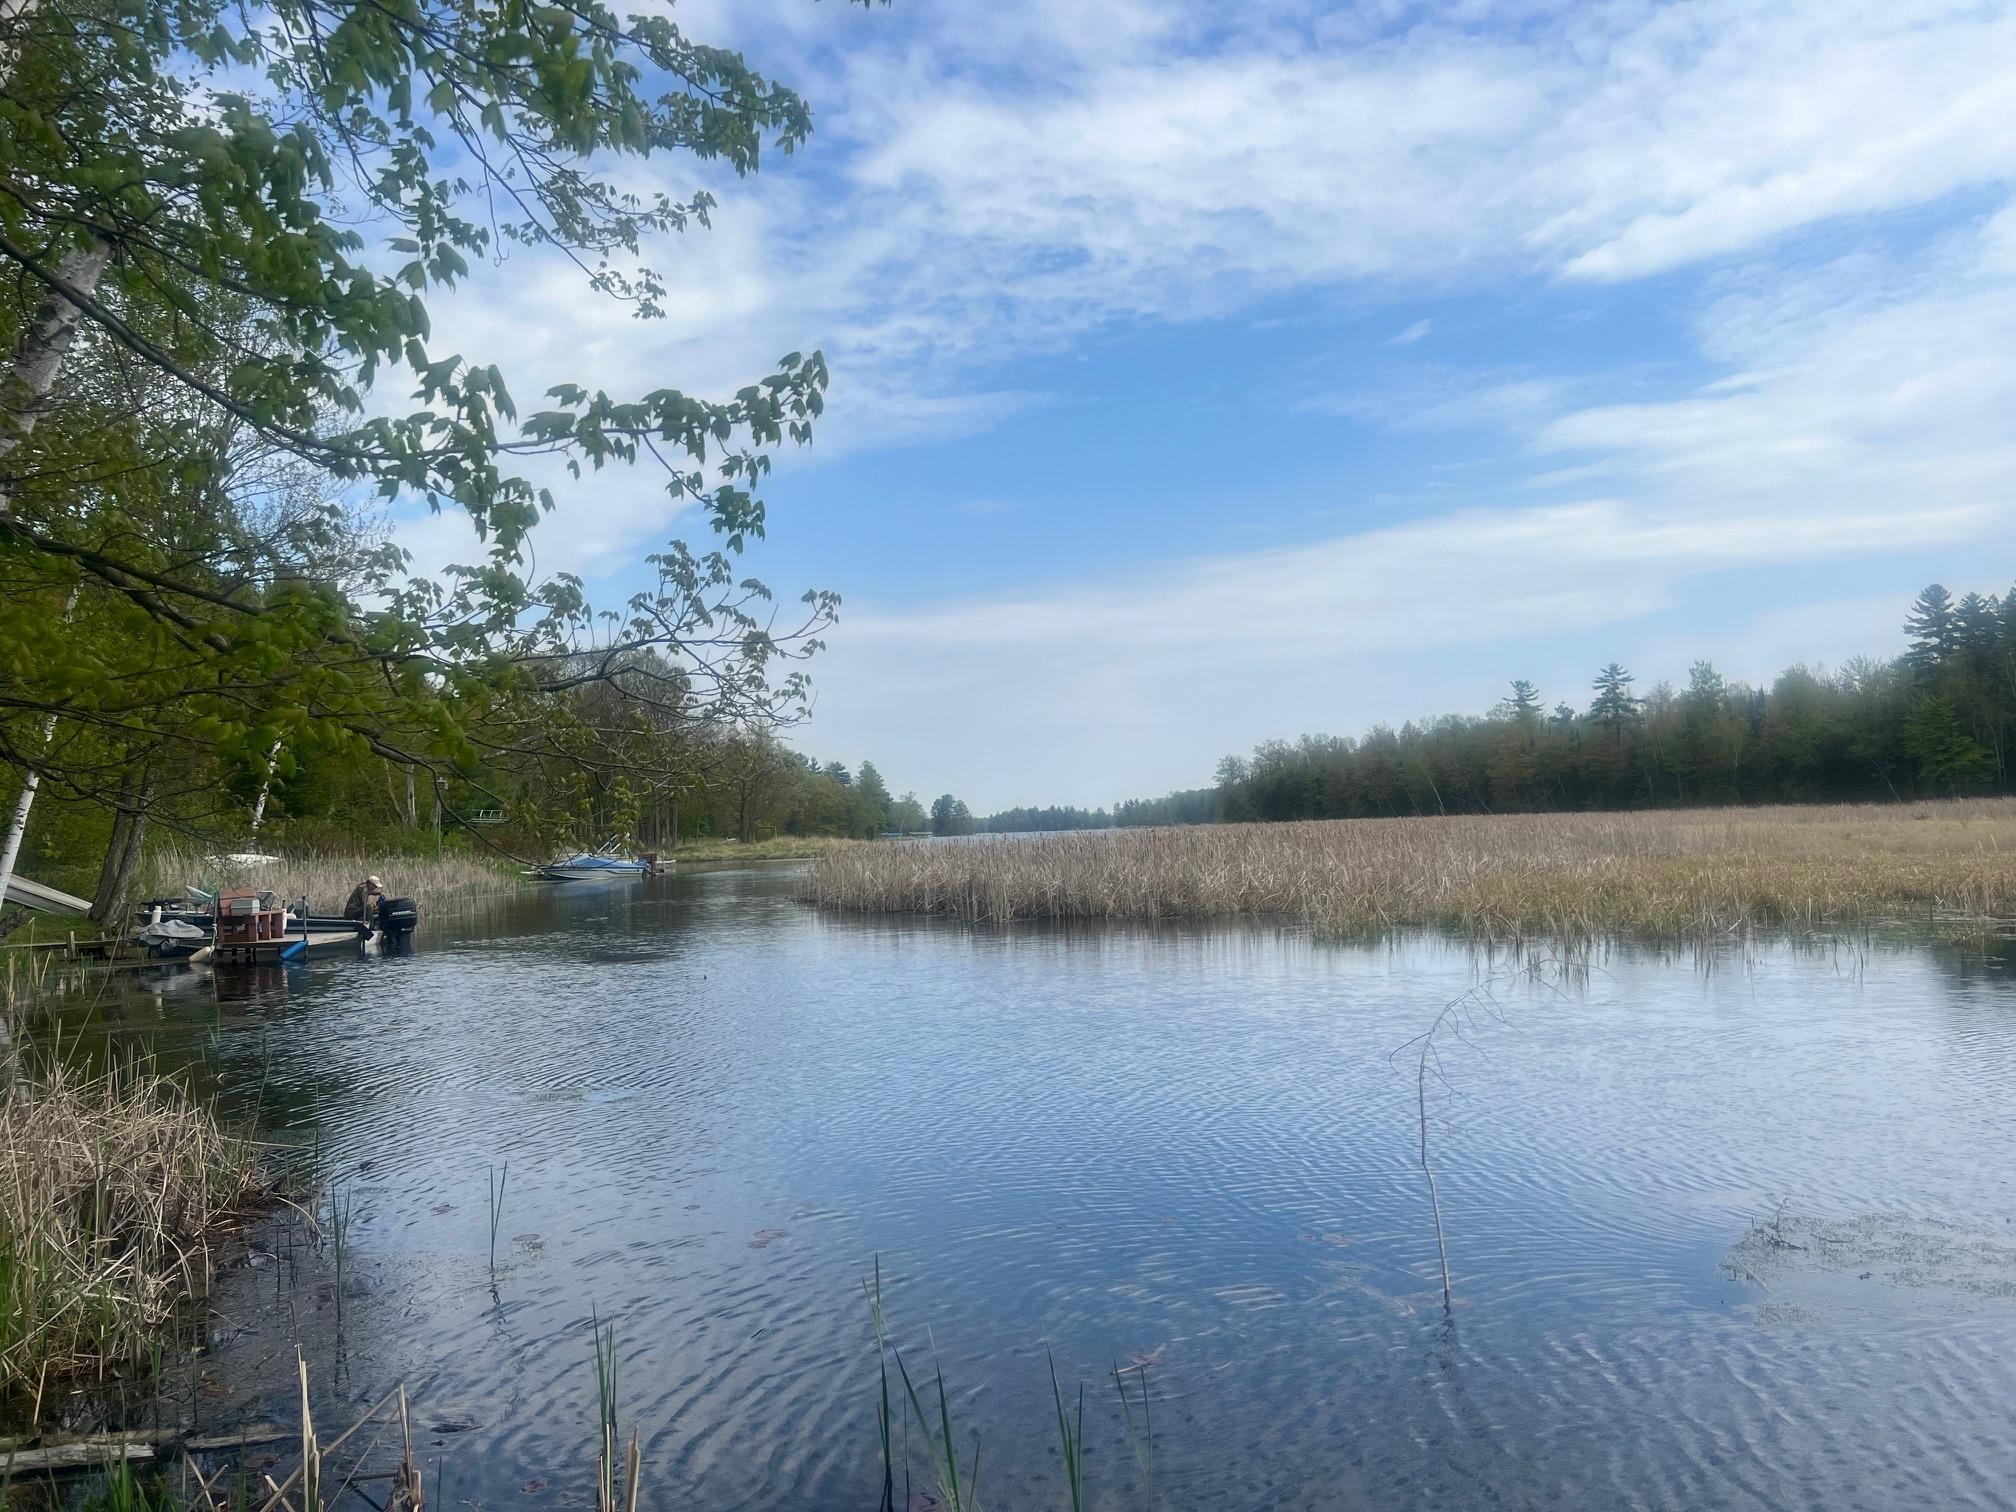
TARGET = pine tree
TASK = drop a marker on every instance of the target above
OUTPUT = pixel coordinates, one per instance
(1947, 756)
(1977, 626)
(950, 816)
(1524, 704)
(1614, 708)
(1706, 688)
(1933, 629)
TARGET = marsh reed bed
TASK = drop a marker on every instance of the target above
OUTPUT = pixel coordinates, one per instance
(1672, 874)
(326, 878)
(113, 1187)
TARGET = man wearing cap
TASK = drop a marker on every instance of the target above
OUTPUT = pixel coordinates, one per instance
(363, 902)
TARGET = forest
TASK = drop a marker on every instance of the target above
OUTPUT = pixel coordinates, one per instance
(224, 400)
(1936, 721)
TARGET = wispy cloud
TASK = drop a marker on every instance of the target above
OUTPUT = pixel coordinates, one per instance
(1877, 431)
(992, 182)
(993, 185)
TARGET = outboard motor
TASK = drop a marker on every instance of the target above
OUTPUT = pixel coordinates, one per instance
(398, 916)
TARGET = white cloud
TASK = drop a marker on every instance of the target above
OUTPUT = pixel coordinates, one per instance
(994, 181)
(1877, 432)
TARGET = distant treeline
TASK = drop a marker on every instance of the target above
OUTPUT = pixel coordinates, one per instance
(1939, 720)
(1016, 821)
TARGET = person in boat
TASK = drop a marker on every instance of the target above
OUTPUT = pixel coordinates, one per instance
(363, 902)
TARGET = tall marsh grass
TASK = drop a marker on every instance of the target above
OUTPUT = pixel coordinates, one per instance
(327, 878)
(111, 1188)
(1673, 874)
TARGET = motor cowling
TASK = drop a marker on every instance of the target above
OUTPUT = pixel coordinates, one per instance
(397, 915)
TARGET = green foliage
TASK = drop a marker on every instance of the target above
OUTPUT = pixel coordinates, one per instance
(1018, 821)
(1939, 720)
(949, 816)
(1190, 806)
(237, 220)
(1947, 756)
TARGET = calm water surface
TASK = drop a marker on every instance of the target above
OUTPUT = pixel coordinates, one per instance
(1184, 1147)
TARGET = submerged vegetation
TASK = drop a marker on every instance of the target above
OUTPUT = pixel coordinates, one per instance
(112, 1188)
(1673, 874)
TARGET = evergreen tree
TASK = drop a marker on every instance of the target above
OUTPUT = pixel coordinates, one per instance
(1947, 756)
(874, 796)
(949, 816)
(1977, 624)
(1933, 630)
(1706, 688)
(1614, 708)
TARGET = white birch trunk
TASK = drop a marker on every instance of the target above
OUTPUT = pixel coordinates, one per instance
(39, 354)
(10, 850)
(265, 787)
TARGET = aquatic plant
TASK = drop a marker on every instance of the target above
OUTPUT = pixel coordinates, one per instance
(959, 1492)
(1678, 874)
(882, 1415)
(339, 1238)
(1141, 1440)
(1070, 1437)
(112, 1189)
(610, 1492)
(327, 878)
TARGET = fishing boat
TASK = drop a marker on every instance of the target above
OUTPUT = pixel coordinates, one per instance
(170, 930)
(588, 866)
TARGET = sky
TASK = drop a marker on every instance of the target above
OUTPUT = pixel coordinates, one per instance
(1203, 374)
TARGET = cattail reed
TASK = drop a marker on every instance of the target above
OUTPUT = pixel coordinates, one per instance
(1677, 874)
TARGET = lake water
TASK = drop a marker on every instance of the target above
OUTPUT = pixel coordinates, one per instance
(1188, 1148)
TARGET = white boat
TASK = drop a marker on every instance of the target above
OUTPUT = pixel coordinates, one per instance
(588, 866)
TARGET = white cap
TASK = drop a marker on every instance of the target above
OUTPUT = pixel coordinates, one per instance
(373, 882)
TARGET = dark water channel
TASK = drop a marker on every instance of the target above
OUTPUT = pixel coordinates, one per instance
(1181, 1147)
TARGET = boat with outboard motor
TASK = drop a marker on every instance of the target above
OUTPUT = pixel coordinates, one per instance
(170, 929)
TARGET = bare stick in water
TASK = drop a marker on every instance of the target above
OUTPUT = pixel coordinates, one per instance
(1434, 1200)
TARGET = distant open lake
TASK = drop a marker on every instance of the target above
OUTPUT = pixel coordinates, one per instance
(1731, 1234)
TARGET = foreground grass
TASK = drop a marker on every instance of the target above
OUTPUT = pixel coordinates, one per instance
(777, 848)
(327, 878)
(111, 1188)
(1674, 874)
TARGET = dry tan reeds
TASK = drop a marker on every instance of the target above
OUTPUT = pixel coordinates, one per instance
(1674, 874)
(111, 1188)
(327, 878)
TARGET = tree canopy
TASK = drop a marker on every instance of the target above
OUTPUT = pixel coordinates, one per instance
(224, 229)
(1938, 720)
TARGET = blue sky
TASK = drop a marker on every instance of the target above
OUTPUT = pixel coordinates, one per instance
(1203, 374)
